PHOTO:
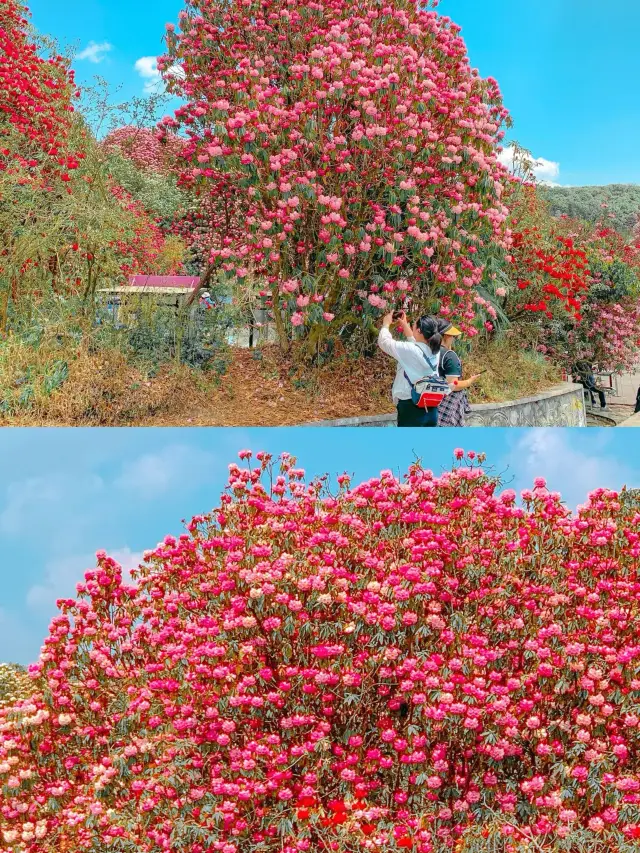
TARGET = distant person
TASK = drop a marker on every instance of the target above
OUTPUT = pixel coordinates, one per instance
(205, 300)
(453, 410)
(418, 357)
(583, 374)
(637, 408)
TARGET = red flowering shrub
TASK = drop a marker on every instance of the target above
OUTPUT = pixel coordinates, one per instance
(35, 100)
(374, 670)
(562, 273)
(65, 225)
(574, 284)
(141, 248)
(549, 266)
(356, 146)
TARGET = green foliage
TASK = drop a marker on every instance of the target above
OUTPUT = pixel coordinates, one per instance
(630, 498)
(70, 238)
(614, 280)
(152, 335)
(195, 340)
(158, 193)
(622, 200)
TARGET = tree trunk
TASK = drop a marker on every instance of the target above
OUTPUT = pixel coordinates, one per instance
(285, 343)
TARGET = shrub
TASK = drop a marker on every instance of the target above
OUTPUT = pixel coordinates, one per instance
(36, 104)
(378, 669)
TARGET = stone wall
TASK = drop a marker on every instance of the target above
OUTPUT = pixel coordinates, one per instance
(561, 406)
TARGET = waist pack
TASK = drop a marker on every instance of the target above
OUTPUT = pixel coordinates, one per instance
(430, 391)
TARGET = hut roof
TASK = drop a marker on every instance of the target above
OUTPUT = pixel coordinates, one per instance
(163, 281)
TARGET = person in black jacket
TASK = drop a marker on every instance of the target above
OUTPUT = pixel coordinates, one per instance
(583, 373)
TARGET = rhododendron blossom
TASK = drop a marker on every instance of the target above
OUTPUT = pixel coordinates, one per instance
(381, 668)
(355, 144)
(578, 283)
(148, 149)
(35, 102)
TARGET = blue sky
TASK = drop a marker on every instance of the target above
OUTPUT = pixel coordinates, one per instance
(64, 494)
(567, 69)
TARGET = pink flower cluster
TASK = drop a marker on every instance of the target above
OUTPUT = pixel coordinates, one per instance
(148, 149)
(36, 103)
(377, 669)
(358, 146)
(612, 335)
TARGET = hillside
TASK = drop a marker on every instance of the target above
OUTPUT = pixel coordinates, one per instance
(623, 202)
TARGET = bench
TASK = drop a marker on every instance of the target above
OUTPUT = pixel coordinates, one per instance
(611, 388)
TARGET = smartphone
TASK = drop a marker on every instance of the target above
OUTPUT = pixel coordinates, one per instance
(480, 372)
(397, 315)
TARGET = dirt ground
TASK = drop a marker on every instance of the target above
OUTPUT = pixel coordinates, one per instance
(272, 392)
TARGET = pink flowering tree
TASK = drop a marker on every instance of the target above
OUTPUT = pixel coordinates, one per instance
(149, 149)
(609, 336)
(358, 147)
(393, 666)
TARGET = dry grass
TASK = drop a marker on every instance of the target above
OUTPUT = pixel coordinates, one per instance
(513, 371)
(99, 388)
(261, 388)
(272, 391)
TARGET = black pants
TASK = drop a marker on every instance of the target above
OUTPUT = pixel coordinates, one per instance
(409, 415)
(593, 390)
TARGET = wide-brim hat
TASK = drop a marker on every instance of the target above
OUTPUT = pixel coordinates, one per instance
(452, 332)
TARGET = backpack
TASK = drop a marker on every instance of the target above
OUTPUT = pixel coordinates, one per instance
(430, 391)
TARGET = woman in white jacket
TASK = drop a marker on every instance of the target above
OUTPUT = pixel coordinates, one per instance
(417, 356)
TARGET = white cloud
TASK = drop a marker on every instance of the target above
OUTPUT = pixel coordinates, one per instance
(38, 500)
(545, 171)
(156, 473)
(95, 53)
(556, 455)
(147, 68)
(22, 498)
(62, 575)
